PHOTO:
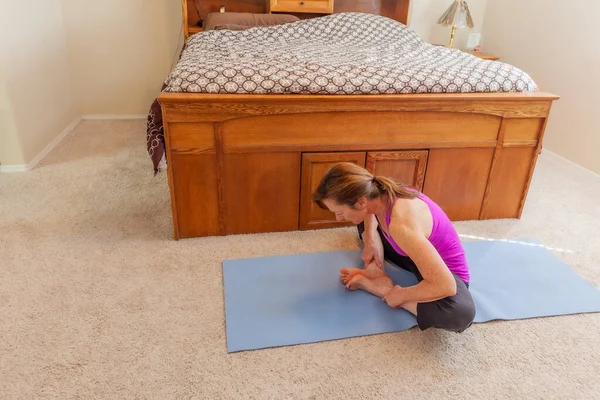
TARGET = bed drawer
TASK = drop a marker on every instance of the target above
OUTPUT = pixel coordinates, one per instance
(302, 6)
(314, 167)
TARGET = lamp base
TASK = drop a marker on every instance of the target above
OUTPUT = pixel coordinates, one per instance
(452, 34)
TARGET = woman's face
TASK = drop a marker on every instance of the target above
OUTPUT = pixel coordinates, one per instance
(355, 215)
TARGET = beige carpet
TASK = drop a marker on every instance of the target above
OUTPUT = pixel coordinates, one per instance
(98, 302)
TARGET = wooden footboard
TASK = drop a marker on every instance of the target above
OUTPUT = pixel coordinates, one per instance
(249, 163)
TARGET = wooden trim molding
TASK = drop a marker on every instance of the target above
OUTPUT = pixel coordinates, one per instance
(221, 178)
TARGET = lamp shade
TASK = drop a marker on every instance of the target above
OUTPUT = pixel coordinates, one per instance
(457, 15)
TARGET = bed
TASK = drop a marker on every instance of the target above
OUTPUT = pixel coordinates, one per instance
(249, 120)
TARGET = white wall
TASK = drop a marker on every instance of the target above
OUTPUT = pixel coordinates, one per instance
(10, 148)
(36, 94)
(561, 51)
(425, 13)
(121, 51)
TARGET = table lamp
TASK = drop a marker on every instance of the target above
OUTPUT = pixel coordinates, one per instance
(457, 16)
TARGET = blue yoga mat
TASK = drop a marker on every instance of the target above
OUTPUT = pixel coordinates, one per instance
(294, 299)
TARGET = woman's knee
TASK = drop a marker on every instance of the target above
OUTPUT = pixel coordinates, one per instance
(447, 314)
(465, 315)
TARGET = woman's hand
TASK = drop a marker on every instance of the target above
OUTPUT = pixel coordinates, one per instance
(370, 255)
(395, 297)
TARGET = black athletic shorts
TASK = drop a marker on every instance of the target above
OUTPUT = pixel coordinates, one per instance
(454, 313)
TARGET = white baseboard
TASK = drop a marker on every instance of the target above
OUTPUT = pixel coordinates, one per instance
(114, 116)
(13, 168)
(63, 134)
(555, 157)
(44, 152)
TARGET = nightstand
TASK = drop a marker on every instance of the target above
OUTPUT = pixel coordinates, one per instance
(485, 56)
(480, 54)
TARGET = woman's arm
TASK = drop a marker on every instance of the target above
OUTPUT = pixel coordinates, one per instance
(373, 250)
(370, 228)
(437, 282)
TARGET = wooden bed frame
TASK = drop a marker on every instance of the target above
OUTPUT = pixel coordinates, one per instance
(249, 163)
(194, 11)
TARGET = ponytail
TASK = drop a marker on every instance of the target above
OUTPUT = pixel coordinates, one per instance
(392, 190)
(347, 182)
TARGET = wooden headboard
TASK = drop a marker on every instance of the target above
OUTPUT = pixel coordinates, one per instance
(196, 10)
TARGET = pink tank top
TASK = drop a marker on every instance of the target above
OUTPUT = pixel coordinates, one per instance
(443, 237)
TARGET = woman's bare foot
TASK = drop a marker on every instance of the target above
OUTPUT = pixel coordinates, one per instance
(348, 273)
(372, 273)
(377, 286)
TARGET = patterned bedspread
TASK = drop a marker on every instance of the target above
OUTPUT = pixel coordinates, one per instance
(346, 53)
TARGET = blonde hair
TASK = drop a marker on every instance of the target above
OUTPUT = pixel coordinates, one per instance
(346, 182)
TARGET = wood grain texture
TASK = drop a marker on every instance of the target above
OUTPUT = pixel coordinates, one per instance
(185, 18)
(521, 143)
(525, 129)
(196, 10)
(404, 167)
(193, 29)
(194, 185)
(349, 128)
(494, 164)
(221, 178)
(197, 107)
(362, 146)
(507, 183)
(301, 6)
(314, 167)
(168, 157)
(191, 135)
(262, 192)
(456, 179)
(538, 150)
(192, 151)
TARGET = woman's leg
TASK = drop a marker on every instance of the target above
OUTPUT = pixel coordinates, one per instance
(455, 313)
(390, 254)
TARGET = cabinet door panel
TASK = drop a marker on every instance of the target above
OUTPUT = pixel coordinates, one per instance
(261, 192)
(404, 167)
(314, 167)
(508, 183)
(195, 191)
(456, 180)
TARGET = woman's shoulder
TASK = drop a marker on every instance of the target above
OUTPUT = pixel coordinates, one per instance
(404, 212)
(411, 214)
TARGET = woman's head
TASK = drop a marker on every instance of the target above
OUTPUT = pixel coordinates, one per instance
(346, 189)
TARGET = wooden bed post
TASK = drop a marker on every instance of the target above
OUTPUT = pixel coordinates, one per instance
(184, 13)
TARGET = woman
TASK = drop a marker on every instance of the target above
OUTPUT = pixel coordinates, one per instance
(409, 229)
